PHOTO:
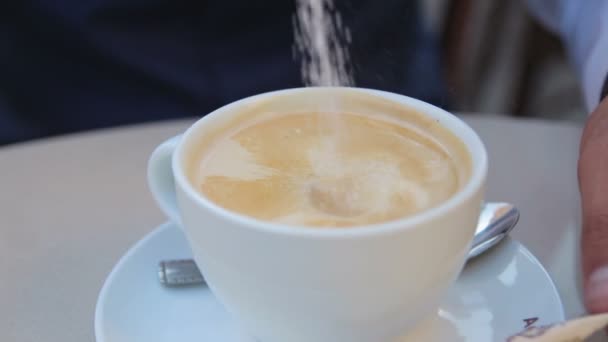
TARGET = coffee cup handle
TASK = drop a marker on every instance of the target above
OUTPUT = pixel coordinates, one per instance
(161, 180)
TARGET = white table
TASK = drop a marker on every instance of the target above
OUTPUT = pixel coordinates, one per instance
(71, 206)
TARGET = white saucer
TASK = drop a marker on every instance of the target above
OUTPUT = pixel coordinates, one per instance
(496, 296)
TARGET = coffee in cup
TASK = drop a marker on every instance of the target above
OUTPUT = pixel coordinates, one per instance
(330, 169)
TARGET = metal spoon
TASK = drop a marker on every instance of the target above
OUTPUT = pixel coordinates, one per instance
(495, 222)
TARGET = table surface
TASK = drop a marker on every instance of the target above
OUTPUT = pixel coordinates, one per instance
(71, 206)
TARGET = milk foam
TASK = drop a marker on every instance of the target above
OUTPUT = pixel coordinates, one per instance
(289, 170)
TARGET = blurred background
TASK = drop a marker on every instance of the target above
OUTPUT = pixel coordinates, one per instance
(500, 60)
(70, 66)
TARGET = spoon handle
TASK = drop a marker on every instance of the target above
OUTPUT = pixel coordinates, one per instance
(179, 272)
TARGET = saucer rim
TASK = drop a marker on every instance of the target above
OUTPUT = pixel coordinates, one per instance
(103, 294)
(532, 257)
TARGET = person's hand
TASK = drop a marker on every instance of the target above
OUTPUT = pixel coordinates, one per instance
(593, 182)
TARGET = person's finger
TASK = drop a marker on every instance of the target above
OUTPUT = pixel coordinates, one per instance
(593, 182)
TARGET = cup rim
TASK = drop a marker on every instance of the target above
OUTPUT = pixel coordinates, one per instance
(456, 126)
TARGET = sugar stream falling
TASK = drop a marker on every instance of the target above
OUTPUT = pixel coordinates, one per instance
(322, 41)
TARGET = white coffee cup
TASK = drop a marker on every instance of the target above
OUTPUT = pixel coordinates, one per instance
(290, 284)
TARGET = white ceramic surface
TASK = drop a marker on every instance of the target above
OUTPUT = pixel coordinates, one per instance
(372, 282)
(497, 295)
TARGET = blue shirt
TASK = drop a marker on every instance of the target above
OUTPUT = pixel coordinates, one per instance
(67, 66)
